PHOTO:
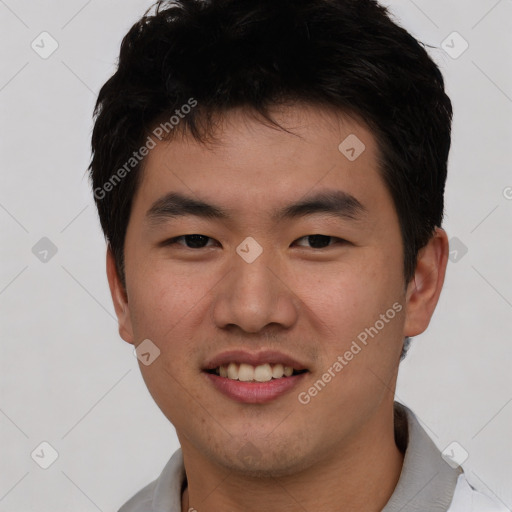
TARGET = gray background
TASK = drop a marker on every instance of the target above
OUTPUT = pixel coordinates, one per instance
(66, 376)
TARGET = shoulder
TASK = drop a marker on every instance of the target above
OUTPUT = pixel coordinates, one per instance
(164, 493)
(142, 501)
(467, 499)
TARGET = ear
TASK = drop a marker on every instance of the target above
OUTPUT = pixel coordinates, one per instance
(424, 289)
(119, 298)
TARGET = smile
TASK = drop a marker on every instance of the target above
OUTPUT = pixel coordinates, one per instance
(244, 372)
(253, 377)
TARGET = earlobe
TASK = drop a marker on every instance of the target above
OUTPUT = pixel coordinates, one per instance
(119, 298)
(424, 289)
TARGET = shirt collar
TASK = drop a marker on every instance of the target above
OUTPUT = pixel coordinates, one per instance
(426, 481)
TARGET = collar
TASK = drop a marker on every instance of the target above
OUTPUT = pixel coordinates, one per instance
(426, 481)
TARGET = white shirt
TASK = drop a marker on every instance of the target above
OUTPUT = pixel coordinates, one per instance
(468, 499)
(426, 484)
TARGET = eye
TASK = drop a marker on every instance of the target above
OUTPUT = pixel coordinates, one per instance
(320, 241)
(191, 241)
(196, 241)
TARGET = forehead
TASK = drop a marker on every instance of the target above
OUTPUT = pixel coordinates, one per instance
(254, 166)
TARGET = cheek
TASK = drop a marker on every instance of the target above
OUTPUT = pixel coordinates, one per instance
(168, 307)
(350, 295)
(361, 312)
(161, 298)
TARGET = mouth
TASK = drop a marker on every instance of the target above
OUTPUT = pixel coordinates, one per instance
(244, 372)
(254, 378)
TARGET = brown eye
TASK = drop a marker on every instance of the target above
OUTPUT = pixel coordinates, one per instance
(191, 241)
(320, 241)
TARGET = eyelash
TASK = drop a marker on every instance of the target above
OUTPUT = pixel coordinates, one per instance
(174, 241)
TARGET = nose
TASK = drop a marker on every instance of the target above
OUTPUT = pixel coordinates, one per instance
(255, 295)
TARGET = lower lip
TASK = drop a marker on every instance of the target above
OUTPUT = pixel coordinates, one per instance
(254, 392)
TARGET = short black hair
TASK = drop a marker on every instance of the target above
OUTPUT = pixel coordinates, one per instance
(217, 55)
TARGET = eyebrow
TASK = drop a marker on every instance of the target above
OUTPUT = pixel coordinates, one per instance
(335, 203)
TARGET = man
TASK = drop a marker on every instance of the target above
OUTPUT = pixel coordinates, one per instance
(269, 176)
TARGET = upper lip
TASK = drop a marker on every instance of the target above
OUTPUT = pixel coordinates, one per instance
(253, 358)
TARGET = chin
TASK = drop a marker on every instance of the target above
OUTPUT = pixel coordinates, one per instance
(266, 467)
(261, 459)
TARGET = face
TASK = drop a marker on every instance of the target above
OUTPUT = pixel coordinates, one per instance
(264, 251)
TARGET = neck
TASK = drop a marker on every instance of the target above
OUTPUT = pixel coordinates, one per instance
(360, 475)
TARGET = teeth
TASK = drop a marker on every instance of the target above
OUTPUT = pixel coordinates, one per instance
(277, 371)
(233, 371)
(245, 372)
(261, 373)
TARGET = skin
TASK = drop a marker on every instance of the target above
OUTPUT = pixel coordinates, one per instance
(337, 452)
